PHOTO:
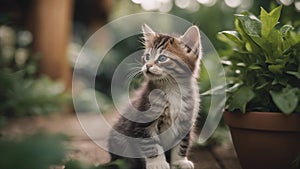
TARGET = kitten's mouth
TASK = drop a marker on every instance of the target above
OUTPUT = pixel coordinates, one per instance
(153, 75)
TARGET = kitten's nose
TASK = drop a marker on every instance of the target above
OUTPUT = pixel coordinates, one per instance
(148, 66)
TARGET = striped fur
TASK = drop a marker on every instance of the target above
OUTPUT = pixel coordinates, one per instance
(165, 106)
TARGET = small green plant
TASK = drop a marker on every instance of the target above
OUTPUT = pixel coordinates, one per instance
(22, 91)
(263, 70)
(22, 96)
(38, 151)
(43, 151)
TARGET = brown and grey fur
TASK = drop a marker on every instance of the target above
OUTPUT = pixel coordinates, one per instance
(164, 108)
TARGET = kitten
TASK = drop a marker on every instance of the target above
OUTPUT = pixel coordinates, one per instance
(165, 107)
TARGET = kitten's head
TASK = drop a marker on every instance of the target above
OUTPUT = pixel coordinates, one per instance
(170, 56)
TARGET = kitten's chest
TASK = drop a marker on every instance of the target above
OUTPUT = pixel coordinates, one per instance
(172, 111)
(175, 102)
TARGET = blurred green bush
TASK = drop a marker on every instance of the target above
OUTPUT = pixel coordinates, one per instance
(38, 151)
(22, 92)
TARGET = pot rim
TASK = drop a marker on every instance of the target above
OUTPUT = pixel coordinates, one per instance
(268, 121)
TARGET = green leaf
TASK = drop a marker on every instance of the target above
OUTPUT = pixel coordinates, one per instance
(261, 86)
(271, 46)
(230, 36)
(277, 69)
(233, 88)
(250, 45)
(286, 99)
(250, 25)
(293, 38)
(117, 164)
(254, 67)
(276, 41)
(285, 32)
(269, 20)
(297, 74)
(240, 98)
(218, 90)
(285, 29)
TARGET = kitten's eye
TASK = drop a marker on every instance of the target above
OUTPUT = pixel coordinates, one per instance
(162, 58)
(147, 57)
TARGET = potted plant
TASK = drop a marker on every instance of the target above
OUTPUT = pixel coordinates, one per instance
(263, 91)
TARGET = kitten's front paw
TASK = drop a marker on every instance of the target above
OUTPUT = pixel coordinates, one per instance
(182, 164)
(158, 165)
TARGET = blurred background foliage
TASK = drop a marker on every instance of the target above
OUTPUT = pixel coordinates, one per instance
(22, 91)
(25, 92)
(38, 151)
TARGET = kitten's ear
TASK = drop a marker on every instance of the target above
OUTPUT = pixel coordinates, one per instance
(191, 38)
(148, 33)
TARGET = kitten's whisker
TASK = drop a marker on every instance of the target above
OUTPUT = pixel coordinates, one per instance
(135, 68)
(138, 62)
(134, 73)
(135, 64)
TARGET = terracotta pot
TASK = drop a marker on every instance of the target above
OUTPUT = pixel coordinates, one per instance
(265, 140)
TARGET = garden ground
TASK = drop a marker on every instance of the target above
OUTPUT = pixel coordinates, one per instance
(81, 147)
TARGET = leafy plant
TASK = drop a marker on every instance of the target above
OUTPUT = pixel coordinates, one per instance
(25, 96)
(263, 70)
(43, 151)
(22, 92)
(38, 151)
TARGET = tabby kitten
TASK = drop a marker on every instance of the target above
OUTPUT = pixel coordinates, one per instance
(164, 108)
